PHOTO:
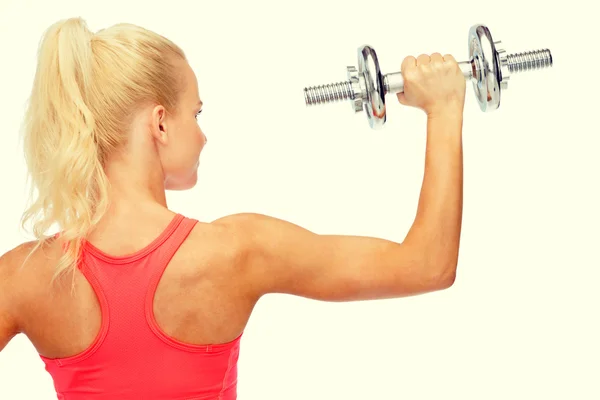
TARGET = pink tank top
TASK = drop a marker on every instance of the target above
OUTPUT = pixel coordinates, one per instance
(131, 358)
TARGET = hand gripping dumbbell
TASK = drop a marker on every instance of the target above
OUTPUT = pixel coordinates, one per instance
(489, 68)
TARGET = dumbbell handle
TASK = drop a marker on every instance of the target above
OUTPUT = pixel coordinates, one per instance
(394, 81)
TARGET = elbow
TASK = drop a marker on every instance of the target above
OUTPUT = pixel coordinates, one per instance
(447, 279)
(440, 260)
(445, 276)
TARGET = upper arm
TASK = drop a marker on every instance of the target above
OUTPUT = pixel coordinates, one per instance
(8, 322)
(281, 257)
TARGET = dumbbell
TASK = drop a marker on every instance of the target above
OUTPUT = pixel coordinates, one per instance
(489, 68)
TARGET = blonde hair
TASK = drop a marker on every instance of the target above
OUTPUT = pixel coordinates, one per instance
(86, 89)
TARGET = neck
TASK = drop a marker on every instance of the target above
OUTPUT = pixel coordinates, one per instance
(136, 183)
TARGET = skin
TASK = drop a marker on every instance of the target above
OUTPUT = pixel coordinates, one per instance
(213, 282)
(163, 152)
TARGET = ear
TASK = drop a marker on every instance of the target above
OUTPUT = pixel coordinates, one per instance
(159, 124)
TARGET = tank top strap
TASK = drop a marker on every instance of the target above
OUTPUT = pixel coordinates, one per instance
(163, 254)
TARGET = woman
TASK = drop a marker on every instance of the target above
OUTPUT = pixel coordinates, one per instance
(157, 302)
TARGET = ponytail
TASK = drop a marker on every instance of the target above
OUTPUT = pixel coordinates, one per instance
(86, 91)
(60, 144)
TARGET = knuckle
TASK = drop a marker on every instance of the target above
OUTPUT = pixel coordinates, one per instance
(451, 65)
(449, 58)
(411, 75)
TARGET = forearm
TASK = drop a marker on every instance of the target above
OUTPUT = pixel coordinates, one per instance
(437, 224)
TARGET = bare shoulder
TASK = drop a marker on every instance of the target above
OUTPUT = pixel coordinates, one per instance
(227, 237)
(15, 284)
(241, 220)
(252, 241)
(243, 229)
(10, 280)
(32, 256)
(247, 225)
(12, 263)
(215, 250)
(23, 267)
(255, 236)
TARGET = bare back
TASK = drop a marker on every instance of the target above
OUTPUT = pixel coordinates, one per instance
(199, 299)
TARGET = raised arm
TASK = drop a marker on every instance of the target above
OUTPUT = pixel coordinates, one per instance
(281, 257)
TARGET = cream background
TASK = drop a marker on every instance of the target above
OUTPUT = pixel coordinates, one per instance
(520, 321)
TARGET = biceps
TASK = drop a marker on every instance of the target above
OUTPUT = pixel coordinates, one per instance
(367, 268)
(349, 268)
